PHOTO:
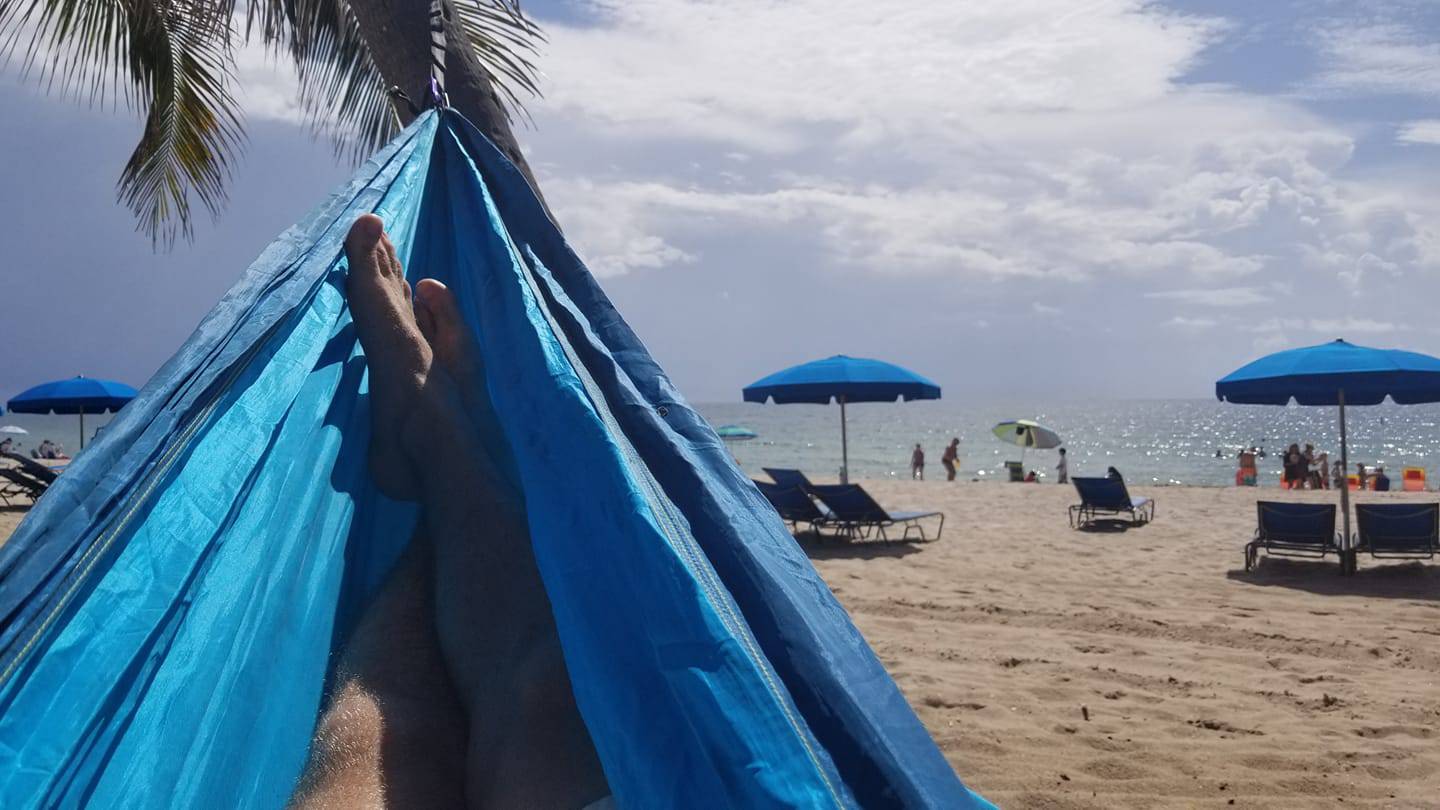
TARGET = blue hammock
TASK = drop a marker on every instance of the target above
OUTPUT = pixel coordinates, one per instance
(168, 610)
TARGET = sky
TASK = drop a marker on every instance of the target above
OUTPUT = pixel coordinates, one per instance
(1018, 198)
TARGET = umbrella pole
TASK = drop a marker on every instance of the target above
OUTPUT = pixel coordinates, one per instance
(1347, 554)
(844, 446)
(82, 428)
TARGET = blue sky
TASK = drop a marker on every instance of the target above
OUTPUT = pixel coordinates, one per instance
(1027, 198)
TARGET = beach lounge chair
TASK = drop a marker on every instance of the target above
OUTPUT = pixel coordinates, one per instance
(788, 478)
(1292, 530)
(33, 468)
(1107, 496)
(1413, 478)
(794, 505)
(15, 482)
(1398, 530)
(854, 513)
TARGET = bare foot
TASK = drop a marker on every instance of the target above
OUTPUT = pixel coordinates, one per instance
(397, 355)
(528, 746)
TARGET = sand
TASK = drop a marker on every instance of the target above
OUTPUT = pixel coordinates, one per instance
(1290, 687)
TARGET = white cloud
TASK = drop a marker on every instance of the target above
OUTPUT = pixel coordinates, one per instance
(267, 86)
(1380, 57)
(1192, 324)
(1044, 309)
(986, 140)
(1426, 131)
(1349, 325)
(1221, 297)
(1334, 327)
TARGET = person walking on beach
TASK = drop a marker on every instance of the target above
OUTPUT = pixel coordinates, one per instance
(917, 463)
(950, 459)
(1063, 468)
(1338, 475)
(1361, 474)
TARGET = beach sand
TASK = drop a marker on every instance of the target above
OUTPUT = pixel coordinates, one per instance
(1290, 687)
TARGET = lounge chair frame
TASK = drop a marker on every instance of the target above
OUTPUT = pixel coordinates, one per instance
(1140, 510)
(1419, 546)
(788, 502)
(19, 482)
(1281, 541)
(856, 514)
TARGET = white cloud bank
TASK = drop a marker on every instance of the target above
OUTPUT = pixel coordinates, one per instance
(985, 140)
(1426, 131)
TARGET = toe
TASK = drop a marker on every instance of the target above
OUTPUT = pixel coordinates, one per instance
(425, 320)
(365, 234)
(440, 301)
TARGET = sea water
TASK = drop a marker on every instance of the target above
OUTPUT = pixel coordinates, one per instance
(1164, 442)
(1149, 441)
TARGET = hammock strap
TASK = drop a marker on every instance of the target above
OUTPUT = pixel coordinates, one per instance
(438, 98)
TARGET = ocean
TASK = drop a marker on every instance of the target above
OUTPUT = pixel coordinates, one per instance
(1162, 442)
(1158, 442)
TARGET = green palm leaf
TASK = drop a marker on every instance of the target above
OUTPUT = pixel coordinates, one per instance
(173, 60)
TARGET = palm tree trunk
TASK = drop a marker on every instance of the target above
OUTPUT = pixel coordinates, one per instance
(399, 38)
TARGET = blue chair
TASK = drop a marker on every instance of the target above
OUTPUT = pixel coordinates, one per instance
(788, 478)
(794, 505)
(1292, 530)
(1107, 496)
(854, 513)
(1398, 530)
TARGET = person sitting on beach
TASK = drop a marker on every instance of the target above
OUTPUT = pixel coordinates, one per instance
(917, 463)
(1294, 466)
(1032, 478)
(1382, 481)
(452, 691)
(1063, 468)
(7, 445)
(950, 459)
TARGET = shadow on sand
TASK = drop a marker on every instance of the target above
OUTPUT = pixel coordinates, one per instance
(1382, 580)
(1108, 526)
(826, 547)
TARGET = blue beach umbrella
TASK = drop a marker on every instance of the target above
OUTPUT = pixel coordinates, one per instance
(1335, 373)
(79, 395)
(845, 380)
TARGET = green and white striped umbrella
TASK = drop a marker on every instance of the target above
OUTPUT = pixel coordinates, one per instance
(1027, 434)
(735, 433)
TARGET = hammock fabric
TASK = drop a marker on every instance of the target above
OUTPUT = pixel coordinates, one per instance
(169, 610)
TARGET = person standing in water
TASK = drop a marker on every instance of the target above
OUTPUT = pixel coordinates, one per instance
(917, 464)
(950, 459)
(1063, 468)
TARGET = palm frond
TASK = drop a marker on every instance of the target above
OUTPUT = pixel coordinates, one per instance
(342, 93)
(72, 47)
(506, 42)
(181, 60)
(170, 59)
